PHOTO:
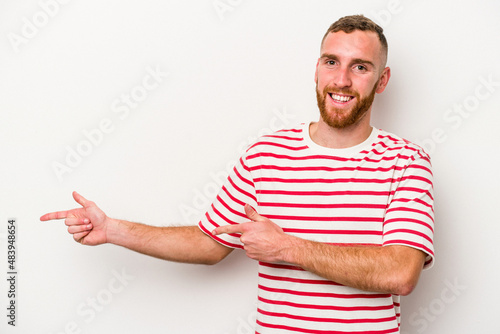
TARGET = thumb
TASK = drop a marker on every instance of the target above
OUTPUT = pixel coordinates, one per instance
(79, 199)
(252, 214)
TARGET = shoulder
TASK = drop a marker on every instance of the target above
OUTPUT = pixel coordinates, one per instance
(392, 144)
(290, 138)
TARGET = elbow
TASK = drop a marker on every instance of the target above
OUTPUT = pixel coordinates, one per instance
(405, 274)
(207, 260)
(404, 289)
(215, 255)
(210, 261)
(404, 284)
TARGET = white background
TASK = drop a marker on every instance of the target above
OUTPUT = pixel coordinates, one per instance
(235, 69)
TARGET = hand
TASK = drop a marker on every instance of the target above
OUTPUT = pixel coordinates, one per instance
(262, 239)
(87, 224)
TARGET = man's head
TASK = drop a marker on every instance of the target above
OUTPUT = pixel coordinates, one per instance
(351, 23)
(350, 70)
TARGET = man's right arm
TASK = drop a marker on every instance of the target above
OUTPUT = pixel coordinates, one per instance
(186, 244)
(89, 225)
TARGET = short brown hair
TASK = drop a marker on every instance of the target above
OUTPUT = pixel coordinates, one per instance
(351, 23)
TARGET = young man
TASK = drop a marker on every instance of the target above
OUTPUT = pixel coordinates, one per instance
(338, 214)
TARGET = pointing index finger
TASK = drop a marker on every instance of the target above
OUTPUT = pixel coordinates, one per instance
(54, 215)
(228, 229)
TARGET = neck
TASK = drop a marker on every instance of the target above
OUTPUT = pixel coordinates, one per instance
(326, 136)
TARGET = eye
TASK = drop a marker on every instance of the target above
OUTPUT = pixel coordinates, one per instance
(361, 68)
(330, 62)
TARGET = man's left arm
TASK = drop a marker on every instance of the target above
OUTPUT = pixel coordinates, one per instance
(391, 269)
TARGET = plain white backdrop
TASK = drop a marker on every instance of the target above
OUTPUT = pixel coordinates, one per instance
(142, 106)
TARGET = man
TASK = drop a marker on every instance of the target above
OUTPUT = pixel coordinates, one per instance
(338, 214)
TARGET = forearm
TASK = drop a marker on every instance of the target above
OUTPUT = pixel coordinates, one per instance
(179, 244)
(390, 269)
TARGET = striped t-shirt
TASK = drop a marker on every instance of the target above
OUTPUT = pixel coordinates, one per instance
(376, 193)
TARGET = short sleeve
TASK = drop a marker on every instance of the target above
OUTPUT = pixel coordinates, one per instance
(228, 207)
(409, 218)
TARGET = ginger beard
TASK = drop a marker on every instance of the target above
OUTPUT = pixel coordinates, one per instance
(340, 119)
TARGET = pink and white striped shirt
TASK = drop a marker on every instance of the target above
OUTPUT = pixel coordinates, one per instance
(376, 193)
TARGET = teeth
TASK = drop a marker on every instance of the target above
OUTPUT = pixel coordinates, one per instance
(340, 98)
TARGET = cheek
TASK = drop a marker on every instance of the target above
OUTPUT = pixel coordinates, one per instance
(317, 78)
(365, 88)
(322, 80)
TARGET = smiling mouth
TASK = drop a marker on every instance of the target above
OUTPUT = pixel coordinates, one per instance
(340, 98)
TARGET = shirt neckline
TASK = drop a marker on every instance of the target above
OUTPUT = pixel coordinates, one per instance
(341, 152)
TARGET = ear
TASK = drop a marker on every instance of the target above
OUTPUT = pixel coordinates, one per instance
(384, 80)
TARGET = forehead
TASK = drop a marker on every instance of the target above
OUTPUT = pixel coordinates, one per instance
(357, 44)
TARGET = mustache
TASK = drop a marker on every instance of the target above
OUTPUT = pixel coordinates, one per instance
(335, 90)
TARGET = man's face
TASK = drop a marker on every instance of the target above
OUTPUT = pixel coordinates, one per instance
(348, 74)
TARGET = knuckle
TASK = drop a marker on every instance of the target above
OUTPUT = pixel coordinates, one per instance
(245, 228)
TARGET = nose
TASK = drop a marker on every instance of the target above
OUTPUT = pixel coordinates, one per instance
(343, 78)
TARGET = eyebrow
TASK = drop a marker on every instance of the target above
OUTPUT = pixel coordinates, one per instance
(354, 61)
